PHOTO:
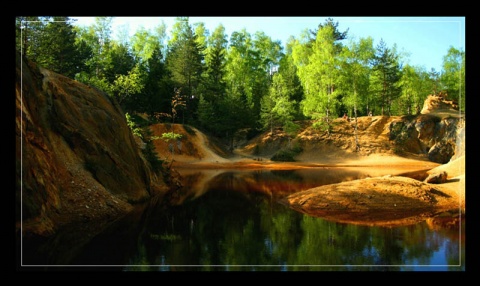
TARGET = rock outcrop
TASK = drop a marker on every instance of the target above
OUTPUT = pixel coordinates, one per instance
(76, 158)
(438, 132)
(436, 103)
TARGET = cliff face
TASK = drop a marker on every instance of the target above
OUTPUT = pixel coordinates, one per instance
(76, 158)
(438, 132)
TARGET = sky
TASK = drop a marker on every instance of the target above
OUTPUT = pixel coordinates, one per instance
(424, 40)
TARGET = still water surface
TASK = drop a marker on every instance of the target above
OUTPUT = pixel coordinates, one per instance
(232, 220)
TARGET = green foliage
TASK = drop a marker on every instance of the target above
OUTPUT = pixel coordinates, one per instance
(284, 155)
(355, 72)
(99, 83)
(144, 44)
(386, 77)
(414, 93)
(149, 151)
(156, 94)
(287, 154)
(291, 128)
(215, 60)
(334, 25)
(133, 126)
(318, 69)
(207, 114)
(140, 128)
(321, 126)
(168, 136)
(125, 86)
(51, 43)
(245, 81)
(184, 61)
(297, 148)
(249, 63)
(453, 77)
(276, 107)
(151, 154)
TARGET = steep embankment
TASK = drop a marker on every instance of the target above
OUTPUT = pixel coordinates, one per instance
(435, 135)
(194, 146)
(76, 159)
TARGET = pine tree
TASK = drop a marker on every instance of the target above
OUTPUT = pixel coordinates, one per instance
(388, 74)
(185, 64)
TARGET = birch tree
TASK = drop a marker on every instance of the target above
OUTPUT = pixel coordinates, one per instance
(355, 73)
(318, 71)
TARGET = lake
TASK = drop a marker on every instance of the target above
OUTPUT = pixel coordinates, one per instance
(226, 220)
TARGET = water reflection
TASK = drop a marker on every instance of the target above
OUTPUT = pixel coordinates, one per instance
(275, 183)
(232, 221)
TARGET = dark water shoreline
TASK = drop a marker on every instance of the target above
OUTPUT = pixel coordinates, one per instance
(170, 232)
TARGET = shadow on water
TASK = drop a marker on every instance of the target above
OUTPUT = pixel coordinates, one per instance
(231, 220)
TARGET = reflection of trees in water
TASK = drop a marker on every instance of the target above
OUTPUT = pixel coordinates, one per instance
(276, 183)
(291, 175)
(227, 228)
(236, 223)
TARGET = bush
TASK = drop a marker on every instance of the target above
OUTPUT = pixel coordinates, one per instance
(285, 155)
(297, 149)
(133, 125)
(288, 154)
(152, 157)
(149, 151)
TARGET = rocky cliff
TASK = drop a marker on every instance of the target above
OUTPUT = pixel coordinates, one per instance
(437, 135)
(438, 132)
(76, 158)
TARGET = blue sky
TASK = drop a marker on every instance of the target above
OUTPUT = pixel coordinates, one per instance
(426, 40)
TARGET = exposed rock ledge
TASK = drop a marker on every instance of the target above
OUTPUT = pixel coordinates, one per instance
(386, 200)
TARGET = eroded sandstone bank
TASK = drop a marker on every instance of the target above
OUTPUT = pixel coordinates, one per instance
(76, 159)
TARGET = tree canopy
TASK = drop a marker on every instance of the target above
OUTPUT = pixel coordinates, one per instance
(241, 80)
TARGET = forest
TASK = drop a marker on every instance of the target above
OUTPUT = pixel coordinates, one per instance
(223, 83)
